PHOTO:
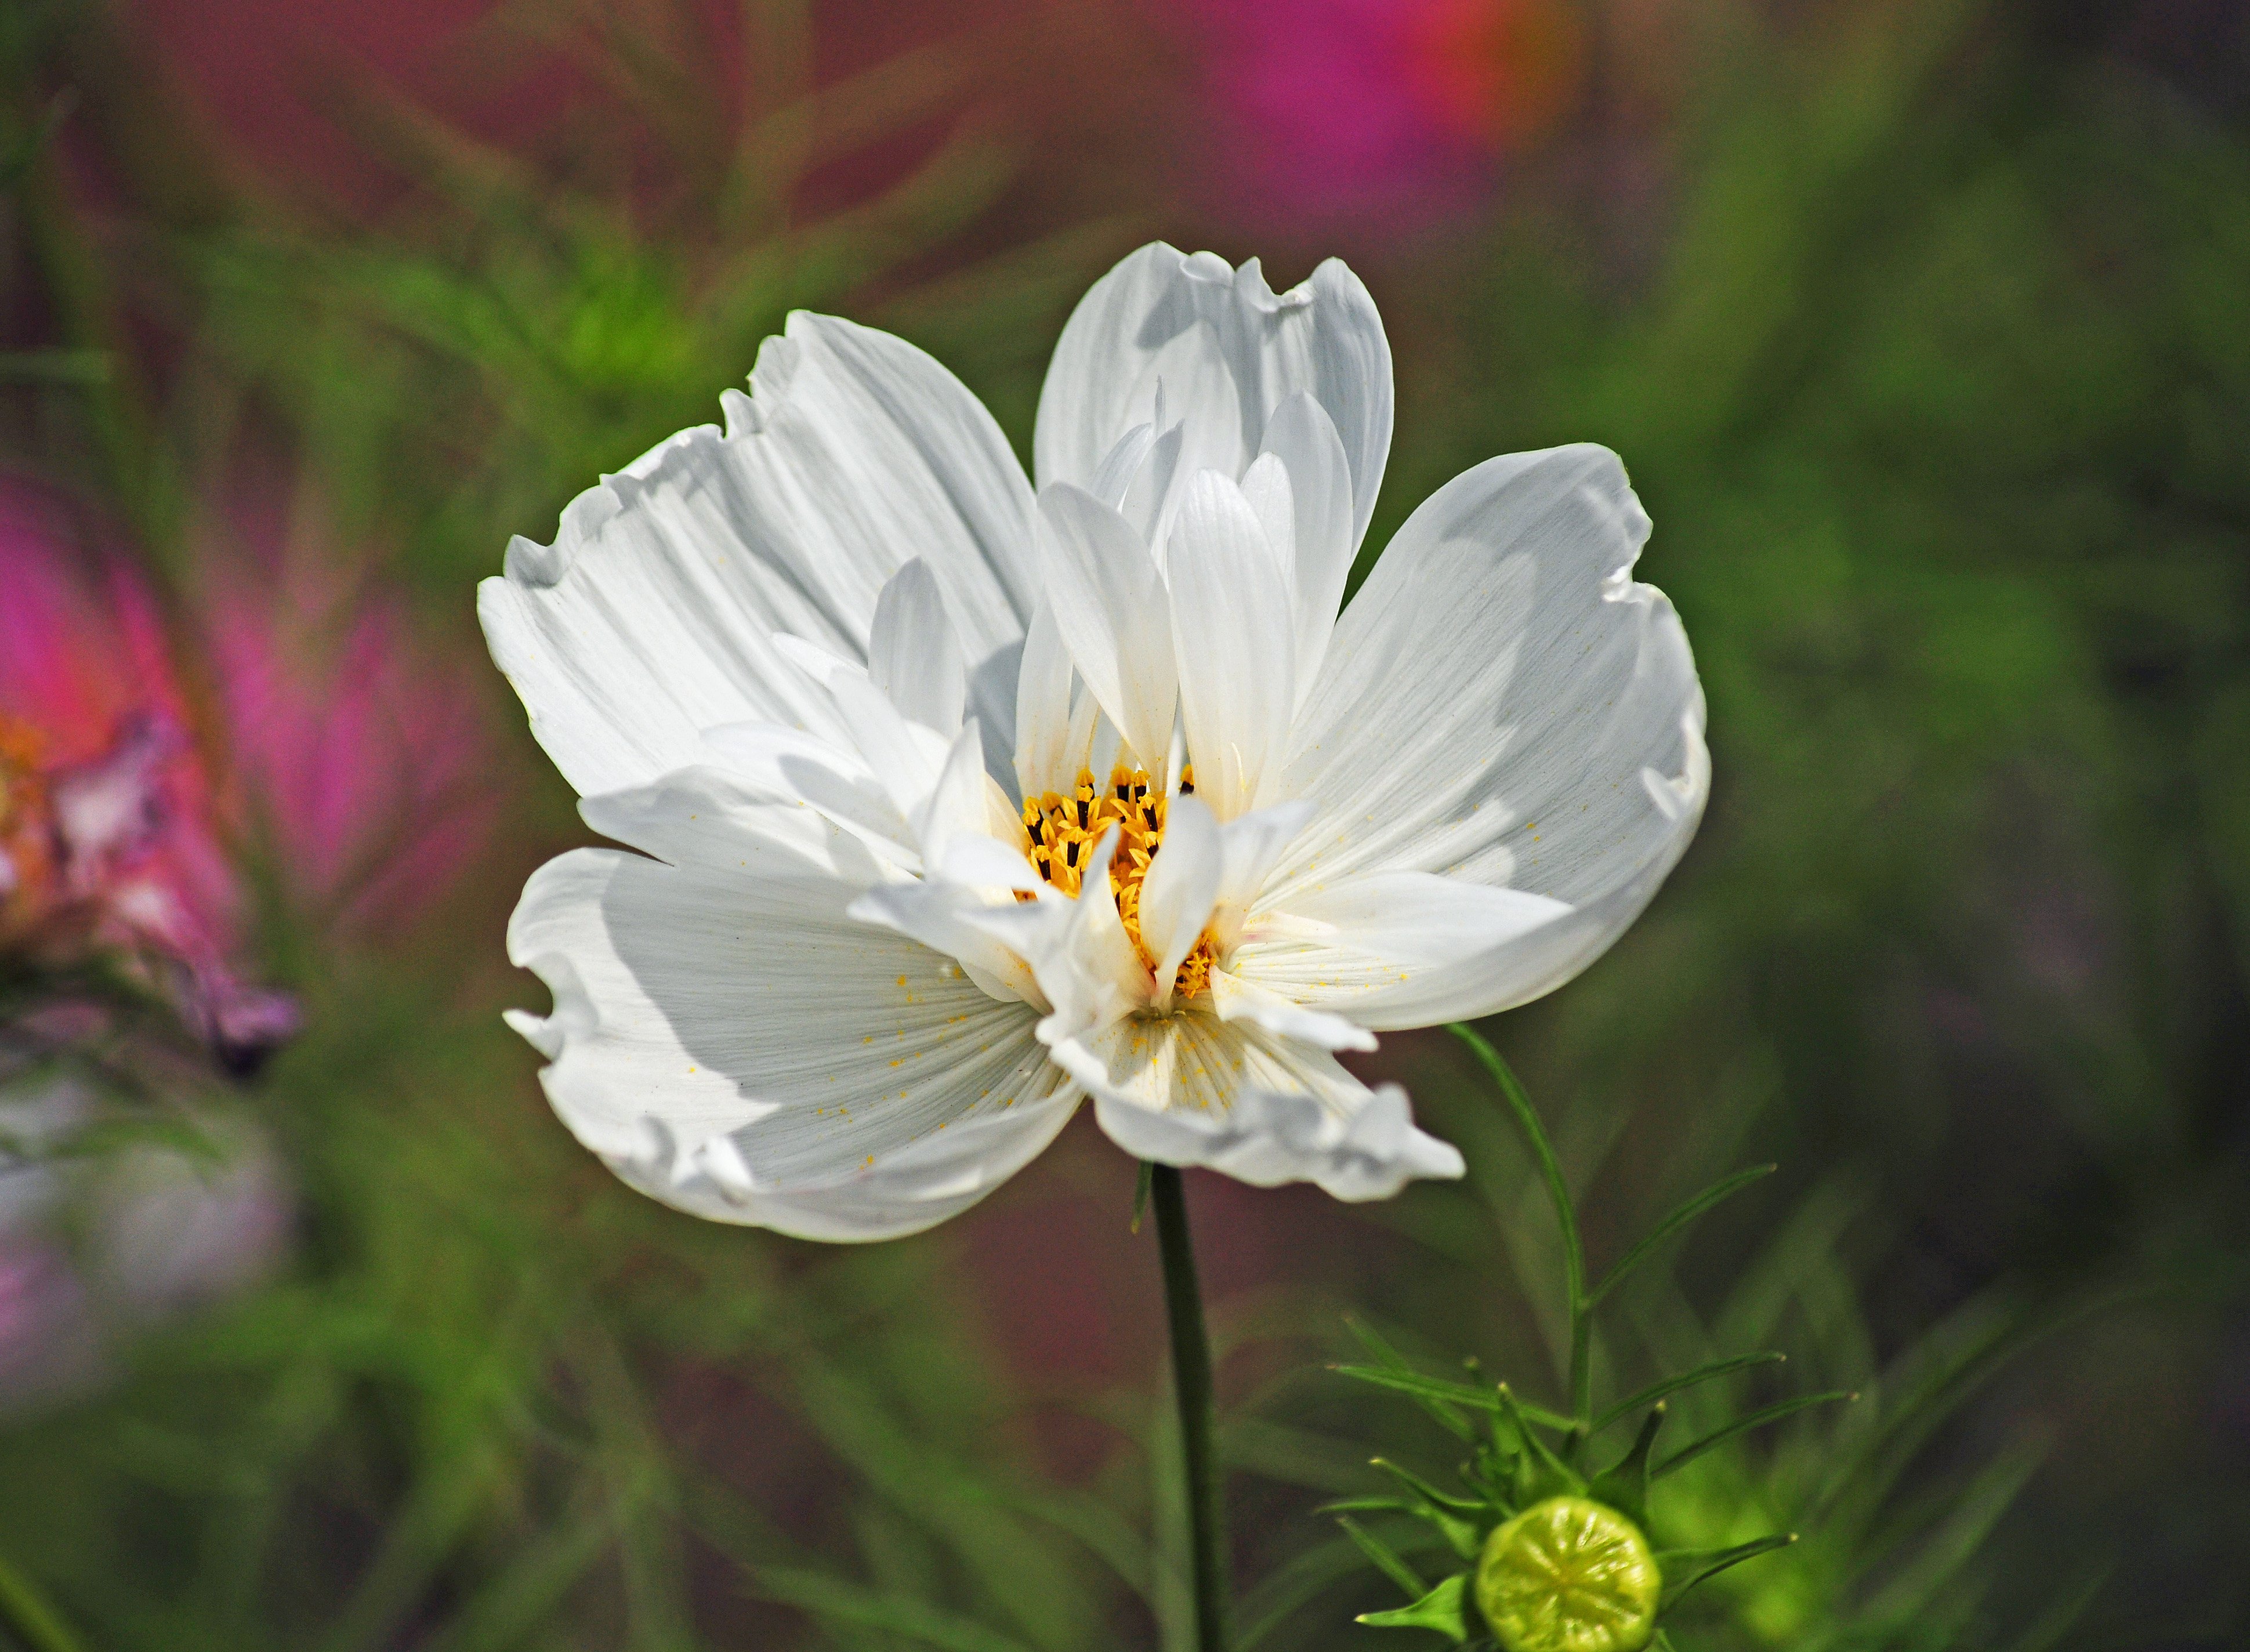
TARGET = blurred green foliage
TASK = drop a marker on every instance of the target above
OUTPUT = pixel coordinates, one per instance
(1935, 372)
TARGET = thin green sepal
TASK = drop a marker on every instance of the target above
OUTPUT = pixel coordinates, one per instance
(1444, 1608)
(1687, 1213)
(1671, 1386)
(1386, 1560)
(1422, 1487)
(1460, 1535)
(1687, 1454)
(1390, 1358)
(1492, 1470)
(1540, 1473)
(1715, 1561)
(1625, 1485)
(1441, 1510)
(1445, 1391)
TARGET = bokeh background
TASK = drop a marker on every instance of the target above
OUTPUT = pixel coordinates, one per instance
(1924, 328)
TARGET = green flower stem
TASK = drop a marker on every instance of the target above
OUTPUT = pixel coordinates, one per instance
(1574, 1252)
(1191, 1386)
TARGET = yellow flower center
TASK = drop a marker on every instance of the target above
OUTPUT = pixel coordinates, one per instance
(1064, 831)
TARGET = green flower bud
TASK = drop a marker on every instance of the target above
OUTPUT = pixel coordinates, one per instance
(1568, 1575)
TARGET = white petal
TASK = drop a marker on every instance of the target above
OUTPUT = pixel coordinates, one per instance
(1231, 630)
(1325, 338)
(1416, 917)
(1187, 1069)
(1152, 493)
(1502, 704)
(926, 1182)
(1302, 436)
(893, 456)
(695, 817)
(822, 666)
(986, 862)
(905, 757)
(1253, 845)
(913, 655)
(1233, 998)
(648, 620)
(1196, 325)
(788, 765)
(618, 684)
(1159, 317)
(727, 996)
(1265, 490)
(957, 804)
(1122, 464)
(1381, 1150)
(1110, 606)
(1405, 949)
(1188, 1089)
(941, 915)
(1104, 745)
(1045, 759)
(1180, 889)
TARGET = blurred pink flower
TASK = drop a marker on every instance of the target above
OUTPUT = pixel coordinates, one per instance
(107, 838)
(362, 753)
(1392, 110)
(354, 753)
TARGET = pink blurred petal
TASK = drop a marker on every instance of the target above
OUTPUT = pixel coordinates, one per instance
(363, 751)
(1392, 111)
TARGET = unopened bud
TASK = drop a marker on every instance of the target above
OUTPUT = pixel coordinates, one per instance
(1568, 1575)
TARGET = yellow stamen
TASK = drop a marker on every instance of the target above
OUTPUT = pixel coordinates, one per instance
(1063, 831)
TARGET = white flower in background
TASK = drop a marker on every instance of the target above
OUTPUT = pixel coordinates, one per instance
(955, 803)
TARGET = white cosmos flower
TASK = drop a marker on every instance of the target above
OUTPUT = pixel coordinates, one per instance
(950, 803)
